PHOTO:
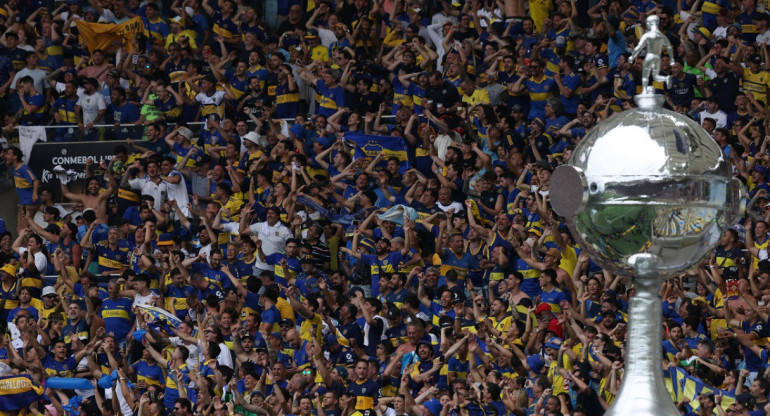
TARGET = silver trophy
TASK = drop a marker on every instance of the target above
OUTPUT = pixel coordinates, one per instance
(647, 193)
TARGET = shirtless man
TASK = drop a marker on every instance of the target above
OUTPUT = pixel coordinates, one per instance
(91, 198)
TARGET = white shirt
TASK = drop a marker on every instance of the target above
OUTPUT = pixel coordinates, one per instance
(720, 117)
(157, 191)
(195, 357)
(454, 204)
(224, 358)
(178, 193)
(148, 300)
(41, 263)
(273, 238)
(91, 105)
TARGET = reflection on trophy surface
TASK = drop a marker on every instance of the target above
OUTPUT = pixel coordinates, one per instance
(648, 193)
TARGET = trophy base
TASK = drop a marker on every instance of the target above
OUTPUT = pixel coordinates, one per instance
(648, 100)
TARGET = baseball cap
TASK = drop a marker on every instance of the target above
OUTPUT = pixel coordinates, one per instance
(516, 108)
(393, 312)
(330, 339)
(755, 58)
(705, 32)
(166, 239)
(560, 42)
(114, 74)
(48, 290)
(535, 363)
(286, 322)
(554, 342)
(543, 307)
(311, 34)
(535, 230)
(553, 252)
(545, 165)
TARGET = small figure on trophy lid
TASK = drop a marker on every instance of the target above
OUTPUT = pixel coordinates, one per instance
(653, 40)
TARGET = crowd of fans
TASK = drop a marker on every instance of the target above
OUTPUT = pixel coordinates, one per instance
(311, 281)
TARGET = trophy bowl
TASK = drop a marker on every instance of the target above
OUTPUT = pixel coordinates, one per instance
(651, 182)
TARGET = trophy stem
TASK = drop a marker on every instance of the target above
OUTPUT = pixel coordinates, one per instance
(643, 391)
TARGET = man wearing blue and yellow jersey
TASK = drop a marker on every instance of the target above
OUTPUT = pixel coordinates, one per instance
(539, 86)
(224, 26)
(57, 363)
(213, 270)
(396, 331)
(727, 254)
(550, 293)
(32, 102)
(76, 323)
(116, 312)
(25, 180)
(175, 66)
(236, 80)
(331, 95)
(758, 241)
(176, 364)
(363, 389)
(155, 28)
(312, 323)
(456, 257)
(64, 113)
(111, 258)
(175, 293)
(268, 296)
(148, 372)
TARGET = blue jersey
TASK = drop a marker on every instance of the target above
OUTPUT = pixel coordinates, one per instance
(110, 260)
(118, 317)
(539, 93)
(330, 99)
(24, 178)
(152, 374)
(215, 276)
(572, 82)
(54, 368)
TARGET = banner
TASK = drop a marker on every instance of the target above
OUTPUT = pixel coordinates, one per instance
(71, 155)
(102, 35)
(369, 146)
(680, 384)
(18, 392)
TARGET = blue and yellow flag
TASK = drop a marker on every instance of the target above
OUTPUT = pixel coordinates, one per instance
(680, 384)
(18, 392)
(368, 146)
(163, 320)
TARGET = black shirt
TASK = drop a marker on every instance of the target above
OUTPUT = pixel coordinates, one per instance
(446, 94)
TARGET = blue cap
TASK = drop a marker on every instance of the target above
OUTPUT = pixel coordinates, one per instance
(367, 242)
(330, 339)
(554, 342)
(311, 284)
(535, 363)
(433, 406)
